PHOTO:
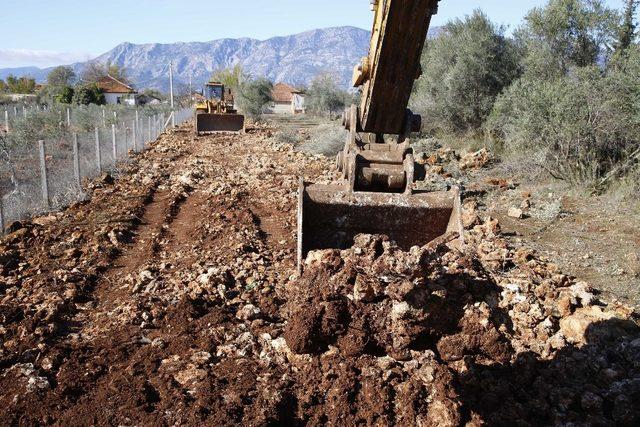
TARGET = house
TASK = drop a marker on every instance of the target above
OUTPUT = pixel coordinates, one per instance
(21, 97)
(116, 92)
(287, 100)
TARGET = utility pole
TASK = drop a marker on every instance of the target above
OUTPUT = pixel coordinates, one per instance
(173, 113)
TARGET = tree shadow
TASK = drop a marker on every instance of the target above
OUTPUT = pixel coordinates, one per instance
(594, 384)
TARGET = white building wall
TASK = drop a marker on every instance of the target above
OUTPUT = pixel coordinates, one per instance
(281, 108)
(125, 99)
(298, 103)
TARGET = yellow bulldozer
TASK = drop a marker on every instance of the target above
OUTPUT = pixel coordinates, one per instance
(216, 112)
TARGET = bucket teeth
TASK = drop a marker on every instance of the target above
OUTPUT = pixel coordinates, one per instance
(330, 216)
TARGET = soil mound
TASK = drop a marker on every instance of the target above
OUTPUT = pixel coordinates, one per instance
(444, 336)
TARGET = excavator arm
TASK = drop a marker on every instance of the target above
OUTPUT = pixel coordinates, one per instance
(386, 76)
(376, 193)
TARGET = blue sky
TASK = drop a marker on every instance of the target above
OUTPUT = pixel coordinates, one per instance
(51, 32)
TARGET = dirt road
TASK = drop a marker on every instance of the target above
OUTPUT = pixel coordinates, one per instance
(170, 297)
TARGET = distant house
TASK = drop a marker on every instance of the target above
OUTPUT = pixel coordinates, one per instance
(287, 100)
(116, 92)
(21, 97)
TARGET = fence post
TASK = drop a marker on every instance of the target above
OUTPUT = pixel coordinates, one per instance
(137, 119)
(15, 111)
(134, 135)
(1, 215)
(104, 118)
(115, 116)
(76, 160)
(43, 175)
(68, 116)
(173, 118)
(24, 111)
(6, 120)
(149, 128)
(113, 143)
(98, 159)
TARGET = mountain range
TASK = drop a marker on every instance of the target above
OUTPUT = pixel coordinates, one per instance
(294, 59)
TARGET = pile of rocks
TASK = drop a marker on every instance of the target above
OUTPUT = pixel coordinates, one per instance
(492, 320)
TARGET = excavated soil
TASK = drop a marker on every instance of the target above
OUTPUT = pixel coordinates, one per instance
(171, 297)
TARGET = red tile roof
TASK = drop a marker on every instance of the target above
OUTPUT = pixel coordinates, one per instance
(282, 92)
(110, 84)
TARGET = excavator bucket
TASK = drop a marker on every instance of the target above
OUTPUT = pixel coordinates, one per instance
(330, 217)
(219, 123)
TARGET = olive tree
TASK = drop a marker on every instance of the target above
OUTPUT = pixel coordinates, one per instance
(254, 95)
(61, 77)
(464, 69)
(88, 94)
(231, 78)
(587, 123)
(324, 96)
(566, 33)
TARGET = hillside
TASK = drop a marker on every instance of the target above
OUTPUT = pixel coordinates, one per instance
(295, 59)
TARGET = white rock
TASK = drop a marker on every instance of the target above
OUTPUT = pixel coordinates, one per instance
(515, 213)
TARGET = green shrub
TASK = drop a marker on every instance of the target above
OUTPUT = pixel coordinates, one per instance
(464, 69)
(288, 136)
(26, 132)
(88, 94)
(253, 96)
(587, 123)
(327, 139)
(65, 95)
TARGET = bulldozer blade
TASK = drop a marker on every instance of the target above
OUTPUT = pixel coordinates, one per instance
(219, 123)
(330, 217)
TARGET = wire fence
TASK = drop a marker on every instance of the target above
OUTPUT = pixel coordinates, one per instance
(49, 175)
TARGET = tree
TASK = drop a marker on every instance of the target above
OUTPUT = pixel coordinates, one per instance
(565, 34)
(231, 77)
(88, 94)
(325, 96)
(20, 85)
(3, 87)
(65, 95)
(61, 77)
(94, 71)
(627, 32)
(585, 124)
(254, 95)
(465, 69)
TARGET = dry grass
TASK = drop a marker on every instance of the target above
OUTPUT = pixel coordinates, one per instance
(326, 139)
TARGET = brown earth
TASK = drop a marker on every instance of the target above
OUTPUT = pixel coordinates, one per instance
(170, 297)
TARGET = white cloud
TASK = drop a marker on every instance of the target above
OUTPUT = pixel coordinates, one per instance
(39, 58)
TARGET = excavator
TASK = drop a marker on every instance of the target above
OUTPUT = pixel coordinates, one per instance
(375, 193)
(216, 113)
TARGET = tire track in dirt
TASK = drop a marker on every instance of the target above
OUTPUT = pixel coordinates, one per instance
(135, 248)
(209, 250)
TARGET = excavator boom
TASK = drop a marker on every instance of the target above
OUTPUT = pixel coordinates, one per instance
(376, 194)
(386, 76)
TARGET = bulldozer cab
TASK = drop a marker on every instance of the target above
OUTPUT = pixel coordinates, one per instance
(217, 114)
(214, 91)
